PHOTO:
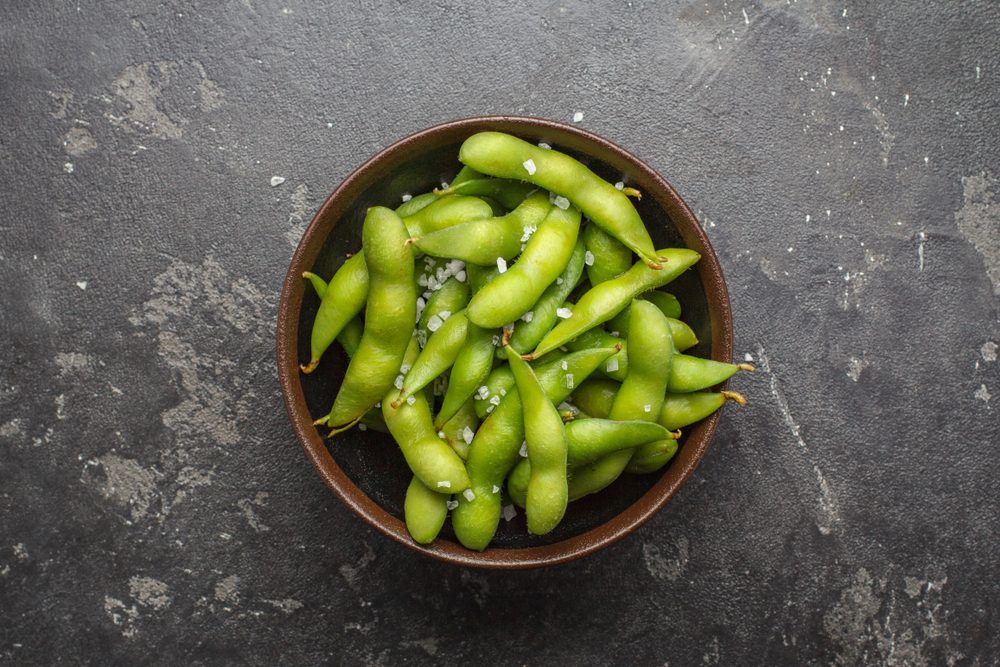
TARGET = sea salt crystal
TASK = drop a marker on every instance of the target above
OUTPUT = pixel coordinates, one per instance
(503, 392)
(484, 391)
(559, 281)
(407, 197)
(529, 166)
(451, 504)
(501, 265)
(468, 435)
(442, 435)
(496, 489)
(399, 382)
(444, 315)
(276, 181)
(528, 231)
(524, 450)
(528, 316)
(569, 381)
(495, 400)
(561, 202)
(619, 185)
(469, 495)
(647, 408)
(612, 365)
(434, 323)
(564, 365)
(588, 258)
(444, 484)
(461, 276)
(577, 116)
(564, 313)
(509, 512)
(542, 144)
(405, 368)
(362, 427)
(410, 400)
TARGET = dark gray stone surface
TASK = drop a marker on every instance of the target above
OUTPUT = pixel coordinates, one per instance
(154, 505)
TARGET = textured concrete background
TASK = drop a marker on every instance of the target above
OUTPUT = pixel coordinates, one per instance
(843, 157)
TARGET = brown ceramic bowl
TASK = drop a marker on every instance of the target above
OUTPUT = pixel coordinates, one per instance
(364, 468)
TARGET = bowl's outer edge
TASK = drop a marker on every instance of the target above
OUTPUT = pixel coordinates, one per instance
(689, 456)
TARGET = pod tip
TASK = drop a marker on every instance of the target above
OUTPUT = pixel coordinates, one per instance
(310, 367)
(734, 396)
(745, 367)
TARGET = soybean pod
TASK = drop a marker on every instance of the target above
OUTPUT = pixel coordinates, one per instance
(389, 319)
(510, 193)
(472, 366)
(424, 511)
(506, 156)
(608, 257)
(601, 303)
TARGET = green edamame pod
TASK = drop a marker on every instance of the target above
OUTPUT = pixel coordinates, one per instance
(318, 284)
(460, 429)
(606, 300)
(424, 511)
(651, 351)
(652, 456)
(446, 212)
(499, 381)
(546, 255)
(694, 373)
(517, 483)
(483, 241)
(438, 355)
(350, 336)
(680, 410)
(464, 174)
(608, 257)
(451, 297)
(543, 313)
(616, 366)
(495, 447)
(389, 319)
(506, 156)
(545, 438)
(471, 367)
(414, 204)
(684, 336)
(428, 456)
(510, 193)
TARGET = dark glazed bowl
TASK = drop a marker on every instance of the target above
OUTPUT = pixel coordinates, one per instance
(364, 468)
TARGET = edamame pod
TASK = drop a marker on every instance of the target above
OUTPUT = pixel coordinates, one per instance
(428, 456)
(665, 301)
(438, 355)
(499, 381)
(694, 373)
(464, 174)
(424, 511)
(451, 297)
(414, 204)
(652, 456)
(595, 396)
(389, 319)
(318, 284)
(513, 292)
(495, 448)
(484, 240)
(471, 367)
(506, 156)
(606, 300)
(527, 332)
(545, 439)
(608, 258)
(680, 410)
(651, 351)
(460, 429)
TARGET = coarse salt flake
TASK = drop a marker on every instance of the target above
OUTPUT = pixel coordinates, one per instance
(405, 368)
(588, 258)
(469, 495)
(564, 365)
(398, 383)
(569, 381)
(495, 400)
(451, 504)
(577, 116)
(441, 435)
(434, 323)
(561, 202)
(461, 276)
(501, 265)
(484, 391)
(542, 144)
(647, 408)
(496, 489)
(620, 185)
(612, 365)
(445, 484)
(444, 314)
(559, 281)
(503, 392)
(509, 512)
(468, 435)
(362, 427)
(529, 166)
(277, 180)
(407, 197)
(524, 450)
(564, 313)
(528, 316)
(410, 400)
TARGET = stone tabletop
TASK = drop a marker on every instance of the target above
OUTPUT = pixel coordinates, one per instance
(160, 160)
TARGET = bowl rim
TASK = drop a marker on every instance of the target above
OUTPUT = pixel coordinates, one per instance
(618, 527)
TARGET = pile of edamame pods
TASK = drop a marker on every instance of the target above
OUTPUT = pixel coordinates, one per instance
(499, 329)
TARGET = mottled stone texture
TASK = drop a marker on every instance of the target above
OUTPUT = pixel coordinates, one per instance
(154, 505)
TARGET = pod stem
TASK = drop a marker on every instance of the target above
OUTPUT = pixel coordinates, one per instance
(441, 192)
(410, 241)
(632, 192)
(676, 434)
(310, 367)
(340, 429)
(745, 367)
(734, 396)
(399, 399)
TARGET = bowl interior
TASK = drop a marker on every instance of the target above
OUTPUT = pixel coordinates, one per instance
(369, 459)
